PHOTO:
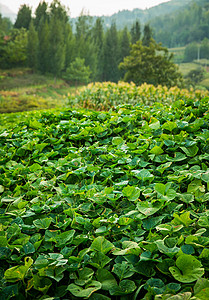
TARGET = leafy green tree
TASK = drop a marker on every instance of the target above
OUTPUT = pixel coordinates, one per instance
(24, 17)
(5, 25)
(77, 72)
(147, 35)
(135, 32)
(14, 50)
(111, 55)
(32, 48)
(151, 64)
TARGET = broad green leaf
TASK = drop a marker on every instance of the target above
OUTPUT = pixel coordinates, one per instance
(178, 156)
(99, 260)
(64, 238)
(84, 276)
(128, 248)
(125, 287)
(188, 269)
(148, 208)
(143, 175)
(183, 219)
(201, 284)
(181, 296)
(96, 296)
(42, 223)
(1, 189)
(170, 126)
(4, 252)
(41, 284)
(106, 278)
(18, 272)
(102, 245)
(116, 141)
(166, 250)
(131, 192)
(86, 292)
(123, 270)
(190, 151)
(155, 124)
(156, 150)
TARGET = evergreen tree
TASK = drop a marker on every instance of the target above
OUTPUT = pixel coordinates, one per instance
(85, 46)
(98, 39)
(56, 47)
(151, 64)
(43, 49)
(23, 17)
(70, 46)
(111, 55)
(32, 49)
(77, 72)
(135, 32)
(41, 14)
(124, 47)
(147, 35)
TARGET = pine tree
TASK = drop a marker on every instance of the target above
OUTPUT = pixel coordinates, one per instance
(111, 55)
(124, 47)
(85, 46)
(70, 46)
(56, 47)
(98, 39)
(23, 17)
(32, 48)
(43, 49)
(135, 32)
(147, 36)
(41, 14)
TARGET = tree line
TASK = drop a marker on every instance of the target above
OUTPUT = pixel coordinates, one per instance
(47, 44)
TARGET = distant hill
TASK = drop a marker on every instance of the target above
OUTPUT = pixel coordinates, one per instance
(184, 26)
(127, 17)
(7, 13)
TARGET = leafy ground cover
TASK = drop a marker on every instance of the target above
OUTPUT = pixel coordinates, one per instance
(103, 96)
(106, 205)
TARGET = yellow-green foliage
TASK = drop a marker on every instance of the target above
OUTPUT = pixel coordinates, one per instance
(103, 96)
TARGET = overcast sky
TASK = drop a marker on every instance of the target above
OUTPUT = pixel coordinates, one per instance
(94, 7)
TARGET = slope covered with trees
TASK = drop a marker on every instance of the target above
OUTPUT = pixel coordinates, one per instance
(190, 24)
(47, 44)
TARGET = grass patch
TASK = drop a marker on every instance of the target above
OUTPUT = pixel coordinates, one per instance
(23, 90)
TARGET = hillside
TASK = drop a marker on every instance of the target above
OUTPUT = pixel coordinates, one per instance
(7, 13)
(127, 17)
(191, 24)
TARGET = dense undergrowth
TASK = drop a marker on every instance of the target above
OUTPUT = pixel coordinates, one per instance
(106, 205)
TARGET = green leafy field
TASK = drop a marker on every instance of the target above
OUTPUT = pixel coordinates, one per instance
(106, 205)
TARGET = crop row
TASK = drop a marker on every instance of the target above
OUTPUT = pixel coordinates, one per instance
(104, 96)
